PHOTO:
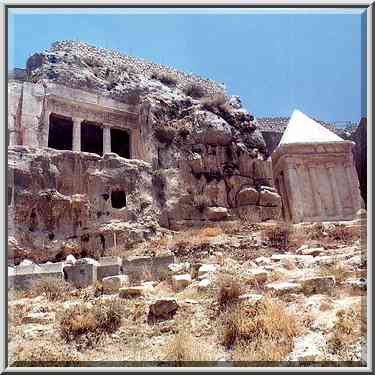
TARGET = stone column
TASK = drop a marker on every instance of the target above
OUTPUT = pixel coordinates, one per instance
(106, 139)
(294, 193)
(77, 134)
(332, 183)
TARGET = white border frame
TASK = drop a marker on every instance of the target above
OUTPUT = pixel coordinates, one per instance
(259, 4)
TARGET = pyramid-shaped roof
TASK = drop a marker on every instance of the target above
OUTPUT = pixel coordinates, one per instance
(303, 129)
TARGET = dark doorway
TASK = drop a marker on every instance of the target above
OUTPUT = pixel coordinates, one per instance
(91, 138)
(120, 143)
(118, 199)
(60, 136)
(10, 191)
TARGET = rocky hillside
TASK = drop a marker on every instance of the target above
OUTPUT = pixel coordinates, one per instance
(206, 159)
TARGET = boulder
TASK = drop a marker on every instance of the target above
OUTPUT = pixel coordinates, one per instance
(26, 262)
(112, 284)
(247, 196)
(70, 259)
(204, 284)
(259, 275)
(181, 281)
(179, 268)
(216, 213)
(38, 318)
(164, 308)
(268, 198)
(262, 261)
(283, 287)
(318, 285)
(207, 269)
(131, 292)
(313, 251)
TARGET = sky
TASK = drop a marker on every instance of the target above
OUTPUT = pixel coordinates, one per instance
(275, 60)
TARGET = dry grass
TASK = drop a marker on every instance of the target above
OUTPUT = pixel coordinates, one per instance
(263, 331)
(183, 347)
(229, 289)
(216, 102)
(337, 270)
(278, 236)
(53, 288)
(16, 313)
(350, 325)
(209, 232)
(194, 90)
(82, 323)
(343, 233)
(43, 354)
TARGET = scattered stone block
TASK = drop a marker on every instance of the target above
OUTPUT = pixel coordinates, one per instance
(81, 274)
(112, 284)
(207, 269)
(179, 268)
(247, 196)
(26, 276)
(250, 297)
(132, 292)
(259, 275)
(312, 251)
(282, 287)
(109, 266)
(38, 318)
(163, 309)
(359, 284)
(204, 284)
(181, 281)
(70, 259)
(216, 213)
(262, 261)
(318, 285)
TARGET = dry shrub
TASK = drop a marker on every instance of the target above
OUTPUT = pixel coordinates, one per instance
(168, 79)
(278, 235)
(16, 313)
(194, 90)
(343, 233)
(43, 354)
(55, 289)
(183, 347)
(229, 290)
(316, 231)
(337, 270)
(347, 330)
(266, 329)
(209, 232)
(216, 102)
(89, 324)
(164, 134)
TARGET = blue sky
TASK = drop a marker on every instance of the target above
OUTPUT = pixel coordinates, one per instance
(275, 61)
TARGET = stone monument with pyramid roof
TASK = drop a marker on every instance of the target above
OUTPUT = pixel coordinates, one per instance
(314, 173)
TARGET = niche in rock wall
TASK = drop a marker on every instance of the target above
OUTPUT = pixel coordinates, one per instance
(60, 136)
(118, 199)
(9, 195)
(120, 143)
(91, 138)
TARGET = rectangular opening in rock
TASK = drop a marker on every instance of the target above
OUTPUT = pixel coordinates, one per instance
(60, 136)
(91, 138)
(118, 199)
(120, 143)
(9, 195)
